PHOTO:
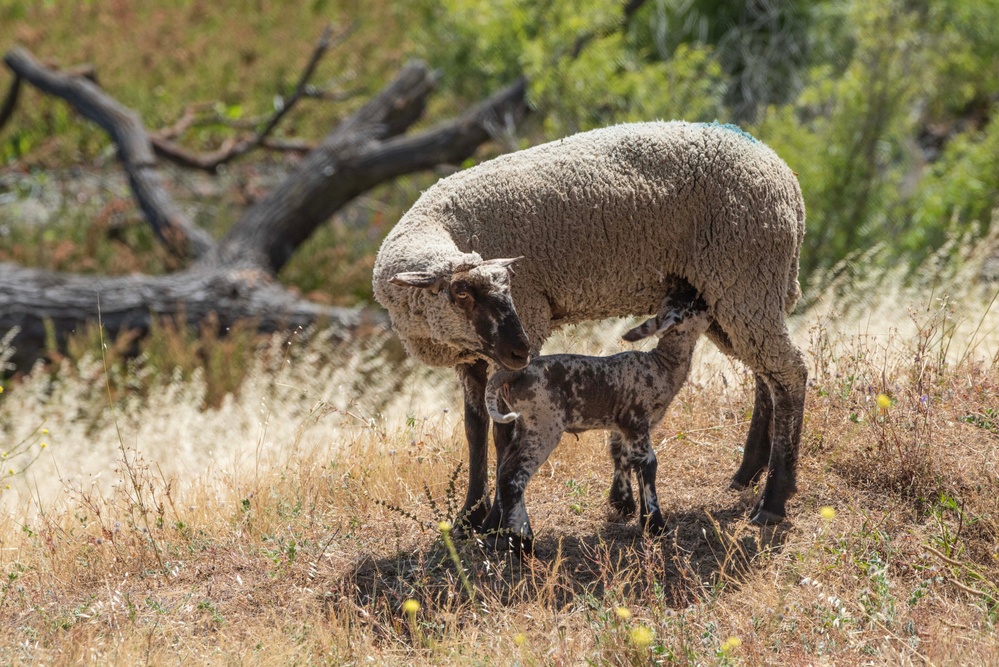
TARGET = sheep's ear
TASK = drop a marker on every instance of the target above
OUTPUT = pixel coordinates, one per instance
(419, 279)
(643, 330)
(503, 262)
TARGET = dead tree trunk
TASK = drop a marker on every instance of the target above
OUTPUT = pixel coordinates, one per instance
(235, 277)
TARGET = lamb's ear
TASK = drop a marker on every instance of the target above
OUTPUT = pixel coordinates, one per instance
(503, 262)
(419, 279)
(643, 330)
(672, 317)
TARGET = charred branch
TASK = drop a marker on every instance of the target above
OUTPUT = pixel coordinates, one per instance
(10, 100)
(125, 128)
(38, 302)
(232, 149)
(363, 152)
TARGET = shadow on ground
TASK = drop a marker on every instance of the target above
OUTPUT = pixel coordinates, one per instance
(702, 550)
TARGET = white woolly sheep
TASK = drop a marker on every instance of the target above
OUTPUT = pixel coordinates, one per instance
(627, 393)
(603, 220)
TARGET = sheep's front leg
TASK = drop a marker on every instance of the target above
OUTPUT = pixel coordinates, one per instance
(473, 380)
(622, 499)
(642, 458)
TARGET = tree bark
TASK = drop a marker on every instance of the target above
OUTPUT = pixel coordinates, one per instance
(35, 300)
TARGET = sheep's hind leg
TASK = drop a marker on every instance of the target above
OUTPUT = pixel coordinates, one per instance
(473, 379)
(642, 457)
(788, 386)
(622, 499)
(757, 452)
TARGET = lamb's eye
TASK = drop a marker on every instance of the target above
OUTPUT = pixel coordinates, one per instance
(462, 294)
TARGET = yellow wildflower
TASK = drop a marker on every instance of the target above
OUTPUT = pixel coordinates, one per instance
(411, 606)
(641, 636)
(827, 513)
(444, 527)
(45, 431)
(520, 639)
(623, 613)
(44, 445)
(884, 402)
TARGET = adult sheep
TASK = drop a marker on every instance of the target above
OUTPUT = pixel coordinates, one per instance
(602, 221)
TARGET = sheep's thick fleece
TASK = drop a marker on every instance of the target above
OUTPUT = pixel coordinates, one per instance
(602, 218)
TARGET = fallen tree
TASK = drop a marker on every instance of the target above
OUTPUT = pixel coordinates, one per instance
(235, 277)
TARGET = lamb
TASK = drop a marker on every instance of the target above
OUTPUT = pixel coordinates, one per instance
(627, 393)
(699, 201)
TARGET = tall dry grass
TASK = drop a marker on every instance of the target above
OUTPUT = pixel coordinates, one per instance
(292, 522)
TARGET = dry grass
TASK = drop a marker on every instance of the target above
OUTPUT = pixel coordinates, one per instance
(291, 523)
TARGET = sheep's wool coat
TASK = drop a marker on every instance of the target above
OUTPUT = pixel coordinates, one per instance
(602, 219)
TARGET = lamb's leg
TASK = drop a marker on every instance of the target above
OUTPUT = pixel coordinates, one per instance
(757, 452)
(473, 380)
(527, 450)
(642, 457)
(502, 439)
(622, 499)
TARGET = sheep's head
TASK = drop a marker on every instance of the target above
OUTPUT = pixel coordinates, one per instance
(476, 309)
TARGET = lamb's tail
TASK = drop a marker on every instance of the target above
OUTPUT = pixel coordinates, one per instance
(492, 403)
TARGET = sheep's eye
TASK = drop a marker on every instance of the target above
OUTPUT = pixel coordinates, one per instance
(462, 294)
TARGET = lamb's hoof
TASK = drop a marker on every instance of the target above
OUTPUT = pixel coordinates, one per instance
(762, 517)
(624, 508)
(655, 527)
(736, 485)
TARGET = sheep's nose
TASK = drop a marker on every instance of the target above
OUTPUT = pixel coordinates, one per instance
(522, 357)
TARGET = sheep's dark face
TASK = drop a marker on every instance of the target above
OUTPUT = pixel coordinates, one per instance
(481, 306)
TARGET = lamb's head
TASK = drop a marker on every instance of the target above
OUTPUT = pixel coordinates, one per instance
(681, 313)
(474, 309)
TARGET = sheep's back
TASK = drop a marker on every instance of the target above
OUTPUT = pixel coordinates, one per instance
(603, 217)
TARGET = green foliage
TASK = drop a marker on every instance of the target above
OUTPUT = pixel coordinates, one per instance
(761, 46)
(958, 194)
(852, 135)
(843, 91)
(585, 71)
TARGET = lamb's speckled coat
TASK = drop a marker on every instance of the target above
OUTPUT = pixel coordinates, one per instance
(627, 393)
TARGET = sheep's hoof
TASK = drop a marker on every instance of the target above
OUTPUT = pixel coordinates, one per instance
(742, 481)
(762, 517)
(510, 542)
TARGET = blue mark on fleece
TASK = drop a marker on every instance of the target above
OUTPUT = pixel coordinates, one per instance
(732, 128)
